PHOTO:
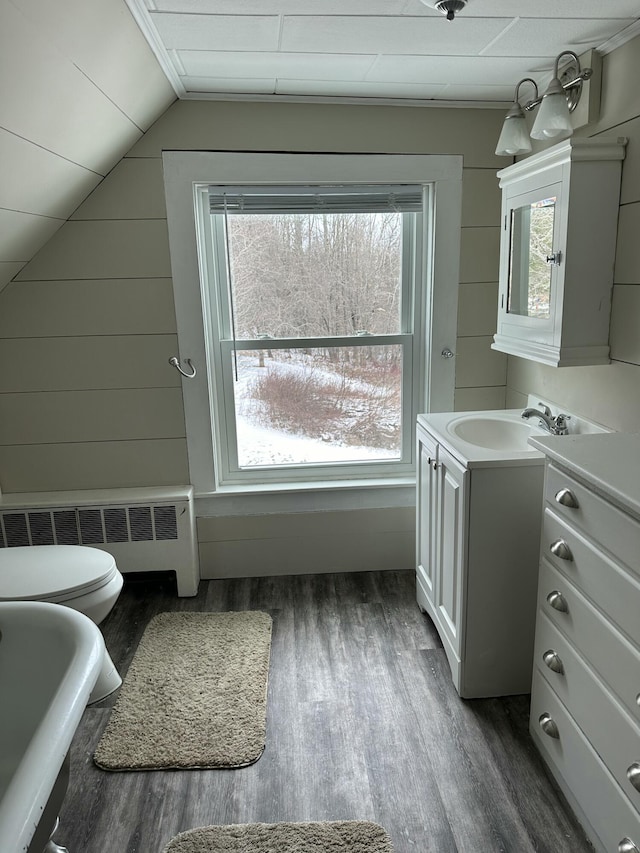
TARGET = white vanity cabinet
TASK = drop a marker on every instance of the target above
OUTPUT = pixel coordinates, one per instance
(557, 252)
(585, 702)
(478, 529)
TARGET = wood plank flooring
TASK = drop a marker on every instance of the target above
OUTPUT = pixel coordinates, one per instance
(363, 722)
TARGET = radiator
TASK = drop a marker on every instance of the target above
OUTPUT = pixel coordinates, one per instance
(143, 535)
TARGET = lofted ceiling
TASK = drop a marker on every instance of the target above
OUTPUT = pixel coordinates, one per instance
(375, 49)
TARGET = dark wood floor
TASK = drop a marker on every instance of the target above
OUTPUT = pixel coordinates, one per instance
(363, 723)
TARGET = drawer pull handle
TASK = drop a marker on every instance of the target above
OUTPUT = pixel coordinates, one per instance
(548, 726)
(560, 549)
(557, 601)
(633, 775)
(567, 498)
(627, 846)
(553, 661)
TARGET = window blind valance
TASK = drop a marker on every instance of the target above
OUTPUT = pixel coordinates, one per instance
(403, 198)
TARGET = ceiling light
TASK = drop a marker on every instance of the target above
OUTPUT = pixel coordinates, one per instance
(514, 138)
(554, 116)
(447, 7)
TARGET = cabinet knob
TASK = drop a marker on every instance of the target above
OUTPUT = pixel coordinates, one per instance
(548, 725)
(560, 549)
(554, 662)
(567, 498)
(627, 846)
(633, 775)
(557, 601)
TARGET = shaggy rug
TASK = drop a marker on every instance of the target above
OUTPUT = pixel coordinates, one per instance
(345, 836)
(194, 696)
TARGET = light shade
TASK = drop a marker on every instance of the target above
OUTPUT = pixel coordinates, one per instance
(514, 138)
(554, 118)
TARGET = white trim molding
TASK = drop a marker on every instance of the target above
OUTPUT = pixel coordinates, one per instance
(184, 171)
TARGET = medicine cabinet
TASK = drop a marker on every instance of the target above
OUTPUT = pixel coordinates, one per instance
(557, 252)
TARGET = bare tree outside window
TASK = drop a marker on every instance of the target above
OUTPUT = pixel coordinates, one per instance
(302, 277)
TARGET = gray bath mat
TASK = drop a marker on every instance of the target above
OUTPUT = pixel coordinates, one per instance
(194, 696)
(344, 836)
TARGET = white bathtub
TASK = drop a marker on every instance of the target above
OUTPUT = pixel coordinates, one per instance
(50, 658)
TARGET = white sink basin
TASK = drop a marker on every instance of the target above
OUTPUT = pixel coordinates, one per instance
(495, 431)
(50, 658)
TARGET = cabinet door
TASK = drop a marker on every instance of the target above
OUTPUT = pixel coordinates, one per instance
(426, 516)
(451, 539)
(530, 264)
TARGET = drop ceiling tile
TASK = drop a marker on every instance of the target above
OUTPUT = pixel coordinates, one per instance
(228, 85)
(354, 89)
(318, 66)
(579, 9)
(535, 36)
(218, 32)
(374, 34)
(463, 71)
(470, 92)
(294, 7)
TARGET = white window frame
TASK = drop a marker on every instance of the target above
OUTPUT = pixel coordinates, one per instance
(186, 173)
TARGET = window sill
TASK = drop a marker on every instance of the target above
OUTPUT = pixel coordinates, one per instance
(307, 497)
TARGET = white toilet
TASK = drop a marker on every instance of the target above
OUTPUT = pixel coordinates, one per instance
(86, 579)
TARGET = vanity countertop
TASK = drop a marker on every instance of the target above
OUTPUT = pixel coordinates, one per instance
(442, 426)
(609, 463)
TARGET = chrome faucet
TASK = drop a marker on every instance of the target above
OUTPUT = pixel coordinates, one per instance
(555, 425)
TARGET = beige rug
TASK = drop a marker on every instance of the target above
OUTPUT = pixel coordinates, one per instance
(194, 696)
(351, 836)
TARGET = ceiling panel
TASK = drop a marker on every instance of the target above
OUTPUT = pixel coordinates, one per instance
(230, 86)
(375, 34)
(218, 32)
(553, 9)
(331, 88)
(295, 65)
(536, 36)
(468, 71)
(399, 49)
(295, 7)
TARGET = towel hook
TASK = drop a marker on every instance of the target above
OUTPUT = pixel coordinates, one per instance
(176, 363)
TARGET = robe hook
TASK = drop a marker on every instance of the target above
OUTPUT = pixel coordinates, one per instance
(176, 363)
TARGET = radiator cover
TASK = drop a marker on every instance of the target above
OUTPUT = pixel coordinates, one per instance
(141, 535)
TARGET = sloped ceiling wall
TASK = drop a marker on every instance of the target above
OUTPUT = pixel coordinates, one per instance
(79, 86)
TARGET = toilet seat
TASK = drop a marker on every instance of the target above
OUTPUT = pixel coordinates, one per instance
(53, 573)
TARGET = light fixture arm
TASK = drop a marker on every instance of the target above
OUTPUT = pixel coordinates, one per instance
(582, 75)
(516, 96)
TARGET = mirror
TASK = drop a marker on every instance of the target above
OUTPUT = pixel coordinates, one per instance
(529, 289)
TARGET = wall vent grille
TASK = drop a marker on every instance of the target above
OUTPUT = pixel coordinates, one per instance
(89, 525)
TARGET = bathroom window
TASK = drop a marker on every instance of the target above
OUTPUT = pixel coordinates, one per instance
(311, 294)
(316, 301)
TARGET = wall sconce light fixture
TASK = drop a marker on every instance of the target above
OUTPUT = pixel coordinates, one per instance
(514, 138)
(554, 116)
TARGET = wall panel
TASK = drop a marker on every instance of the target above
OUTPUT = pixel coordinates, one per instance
(84, 307)
(121, 248)
(85, 363)
(111, 464)
(78, 416)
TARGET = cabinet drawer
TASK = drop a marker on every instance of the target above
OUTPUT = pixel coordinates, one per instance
(610, 813)
(612, 589)
(615, 659)
(613, 529)
(609, 729)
